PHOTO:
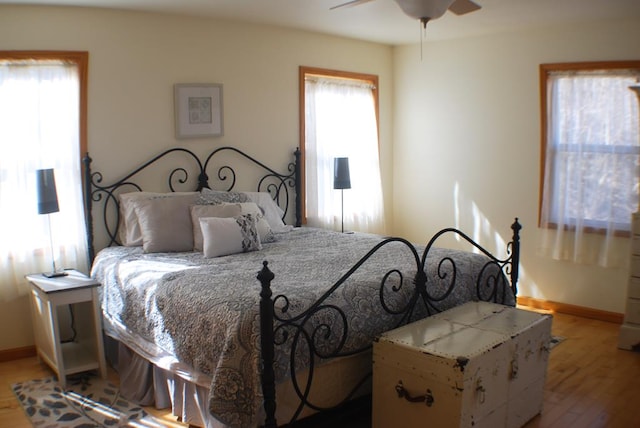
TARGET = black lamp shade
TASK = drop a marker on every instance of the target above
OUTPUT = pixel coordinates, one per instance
(341, 178)
(47, 195)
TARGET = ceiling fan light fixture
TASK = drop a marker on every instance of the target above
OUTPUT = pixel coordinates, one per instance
(424, 10)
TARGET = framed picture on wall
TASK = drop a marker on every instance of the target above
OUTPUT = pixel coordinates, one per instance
(198, 110)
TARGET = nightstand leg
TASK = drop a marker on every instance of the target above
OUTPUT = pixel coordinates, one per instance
(55, 335)
(98, 335)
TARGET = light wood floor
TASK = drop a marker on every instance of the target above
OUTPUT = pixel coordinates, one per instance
(590, 383)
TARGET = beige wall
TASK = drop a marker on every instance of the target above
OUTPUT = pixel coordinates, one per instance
(134, 60)
(464, 119)
(467, 142)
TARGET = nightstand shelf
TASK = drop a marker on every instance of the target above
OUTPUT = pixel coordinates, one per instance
(86, 351)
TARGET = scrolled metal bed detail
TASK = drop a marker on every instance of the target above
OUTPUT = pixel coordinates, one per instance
(279, 327)
(284, 324)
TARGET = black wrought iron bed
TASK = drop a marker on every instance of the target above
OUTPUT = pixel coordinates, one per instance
(305, 331)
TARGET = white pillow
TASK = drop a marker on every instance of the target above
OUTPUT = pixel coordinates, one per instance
(165, 224)
(129, 233)
(229, 235)
(272, 212)
(199, 211)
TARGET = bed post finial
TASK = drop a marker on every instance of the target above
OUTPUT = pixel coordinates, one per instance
(265, 276)
(515, 256)
(298, 182)
(88, 216)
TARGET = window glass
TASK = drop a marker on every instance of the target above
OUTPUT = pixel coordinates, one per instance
(340, 121)
(590, 150)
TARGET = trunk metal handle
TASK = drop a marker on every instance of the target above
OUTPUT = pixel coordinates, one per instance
(480, 390)
(403, 393)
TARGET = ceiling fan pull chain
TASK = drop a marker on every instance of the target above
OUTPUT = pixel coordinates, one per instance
(421, 38)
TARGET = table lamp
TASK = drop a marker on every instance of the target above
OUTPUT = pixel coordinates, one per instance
(47, 204)
(341, 180)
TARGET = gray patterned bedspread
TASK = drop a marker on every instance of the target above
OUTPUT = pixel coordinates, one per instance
(205, 312)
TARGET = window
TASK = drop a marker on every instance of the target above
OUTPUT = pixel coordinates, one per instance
(339, 118)
(590, 150)
(42, 125)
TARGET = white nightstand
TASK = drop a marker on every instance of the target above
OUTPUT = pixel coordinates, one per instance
(86, 351)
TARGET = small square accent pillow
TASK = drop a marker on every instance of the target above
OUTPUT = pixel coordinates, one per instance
(229, 235)
(199, 211)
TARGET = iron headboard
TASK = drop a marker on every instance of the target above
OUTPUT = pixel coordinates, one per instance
(279, 185)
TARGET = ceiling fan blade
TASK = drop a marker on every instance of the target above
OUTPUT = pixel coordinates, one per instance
(460, 7)
(349, 3)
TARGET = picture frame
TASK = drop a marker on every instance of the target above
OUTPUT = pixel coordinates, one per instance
(198, 110)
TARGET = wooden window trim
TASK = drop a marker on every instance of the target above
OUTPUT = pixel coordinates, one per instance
(545, 72)
(303, 72)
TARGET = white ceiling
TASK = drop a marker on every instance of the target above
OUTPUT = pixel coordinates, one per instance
(380, 20)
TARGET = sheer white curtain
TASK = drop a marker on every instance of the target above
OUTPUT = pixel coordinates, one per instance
(39, 128)
(591, 174)
(341, 122)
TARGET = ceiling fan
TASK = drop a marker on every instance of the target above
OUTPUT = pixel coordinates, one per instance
(426, 10)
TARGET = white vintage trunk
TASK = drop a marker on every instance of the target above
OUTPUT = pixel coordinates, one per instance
(480, 364)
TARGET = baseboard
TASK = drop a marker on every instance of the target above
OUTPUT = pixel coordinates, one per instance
(17, 353)
(564, 308)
